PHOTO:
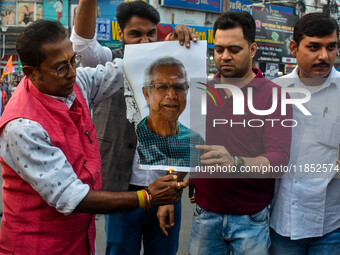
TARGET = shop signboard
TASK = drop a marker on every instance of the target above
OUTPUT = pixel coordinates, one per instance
(107, 9)
(247, 6)
(200, 5)
(289, 68)
(272, 71)
(103, 29)
(273, 35)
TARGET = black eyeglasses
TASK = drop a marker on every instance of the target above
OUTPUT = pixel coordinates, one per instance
(62, 71)
(164, 87)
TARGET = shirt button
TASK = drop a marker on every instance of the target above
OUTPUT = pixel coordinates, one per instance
(295, 181)
(84, 161)
(293, 203)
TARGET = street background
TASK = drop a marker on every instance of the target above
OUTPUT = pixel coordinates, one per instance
(187, 212)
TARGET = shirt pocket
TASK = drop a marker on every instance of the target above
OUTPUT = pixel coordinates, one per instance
(328, 133)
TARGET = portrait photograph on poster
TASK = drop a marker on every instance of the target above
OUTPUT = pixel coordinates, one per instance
(158, 102)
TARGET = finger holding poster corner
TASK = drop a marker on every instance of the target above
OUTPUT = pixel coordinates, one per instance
(157, 96)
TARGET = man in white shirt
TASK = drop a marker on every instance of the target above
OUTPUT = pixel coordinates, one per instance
(306, 207)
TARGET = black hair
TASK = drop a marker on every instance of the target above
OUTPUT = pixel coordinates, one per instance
(136, 8)
(233, 19)
(315, 24)
(30, 41)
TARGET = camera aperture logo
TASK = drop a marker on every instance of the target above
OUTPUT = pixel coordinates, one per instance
(239, 105)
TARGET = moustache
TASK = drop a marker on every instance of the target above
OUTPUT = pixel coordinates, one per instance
(322, 64)
(228, 62)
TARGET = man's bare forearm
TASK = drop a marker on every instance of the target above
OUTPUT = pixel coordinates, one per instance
(99, 201)
(85, 19)
(163, 191)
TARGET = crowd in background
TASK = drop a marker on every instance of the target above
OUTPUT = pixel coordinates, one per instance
(7, 89)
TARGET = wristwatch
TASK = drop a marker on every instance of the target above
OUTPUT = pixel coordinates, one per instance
(239, 162)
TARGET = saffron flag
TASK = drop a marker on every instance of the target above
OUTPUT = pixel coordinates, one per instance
(9, 67)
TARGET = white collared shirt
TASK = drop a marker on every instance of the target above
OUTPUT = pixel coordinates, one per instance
(307, 202)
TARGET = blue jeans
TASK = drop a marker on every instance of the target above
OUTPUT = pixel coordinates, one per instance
(328, 244)
(125, 232)
(221, 234)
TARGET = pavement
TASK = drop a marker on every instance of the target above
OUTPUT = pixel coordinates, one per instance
(187, 212)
